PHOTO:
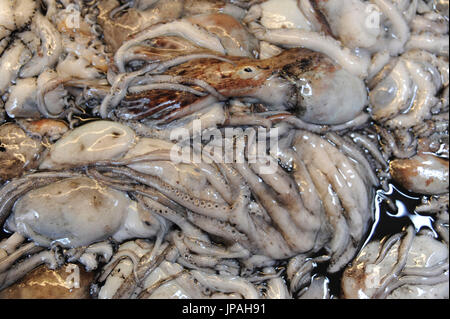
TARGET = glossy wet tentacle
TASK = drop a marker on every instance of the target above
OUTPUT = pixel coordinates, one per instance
(200, 206)
(181, 28)
(163, 78)
(165, 86)
(147, 292)
(387, 245)
(144, 268)
(117, 258)
(403, 250)
(17, 254)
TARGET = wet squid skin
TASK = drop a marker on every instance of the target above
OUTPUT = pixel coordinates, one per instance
(323, 204)
(22, 143)
(288, 78)
(407, 265)
(119, 25)
(301, 81)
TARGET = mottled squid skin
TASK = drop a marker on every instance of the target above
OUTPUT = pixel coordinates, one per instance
(233, 80)
(302, 81)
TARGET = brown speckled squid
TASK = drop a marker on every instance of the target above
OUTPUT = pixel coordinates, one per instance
(301, 81)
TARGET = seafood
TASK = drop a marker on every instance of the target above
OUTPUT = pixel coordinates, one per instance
(392, 98)
(423, 173)
(281, 14)
(18, 151)
(236, 40)
(348, 20)
(290, 37)
(11, 62)
(107, 213)
(403, 266)
(48, 214)
(91, 143)
(120, 27)
(21, 102)
(104, 212)
(290, 81)
(15, 15)
(51, 45)
(224, 149)
(22, 145)
(169, 279)
(59, 284)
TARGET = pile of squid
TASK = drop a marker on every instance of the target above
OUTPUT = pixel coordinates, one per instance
(224, 149)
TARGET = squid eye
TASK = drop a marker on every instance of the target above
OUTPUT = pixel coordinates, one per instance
(247, 72)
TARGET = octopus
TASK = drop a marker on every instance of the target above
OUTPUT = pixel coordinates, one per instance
(156, 149)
